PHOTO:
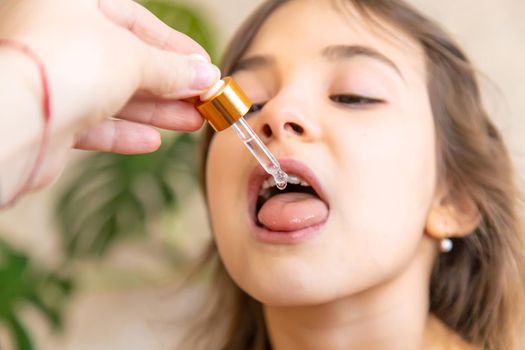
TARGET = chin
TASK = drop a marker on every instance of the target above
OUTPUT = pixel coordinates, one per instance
(285, 289)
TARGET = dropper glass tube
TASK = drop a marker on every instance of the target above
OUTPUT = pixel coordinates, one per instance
(225, 105)
(260, 152)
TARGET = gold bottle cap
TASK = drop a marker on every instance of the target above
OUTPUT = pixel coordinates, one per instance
(223, 104)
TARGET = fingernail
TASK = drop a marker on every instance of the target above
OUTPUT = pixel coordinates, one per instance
(204, 75)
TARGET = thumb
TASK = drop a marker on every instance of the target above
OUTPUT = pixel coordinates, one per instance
(173, 75)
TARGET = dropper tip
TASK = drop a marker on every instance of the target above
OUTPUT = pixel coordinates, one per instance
(281, 179)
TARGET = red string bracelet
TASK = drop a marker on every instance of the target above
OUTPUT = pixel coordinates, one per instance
(46, 112)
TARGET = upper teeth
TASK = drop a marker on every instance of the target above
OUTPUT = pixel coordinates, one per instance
(292, 179)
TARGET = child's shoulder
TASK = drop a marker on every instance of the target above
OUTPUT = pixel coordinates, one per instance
(440, 337)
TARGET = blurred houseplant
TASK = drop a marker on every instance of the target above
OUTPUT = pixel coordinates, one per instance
(109, 198)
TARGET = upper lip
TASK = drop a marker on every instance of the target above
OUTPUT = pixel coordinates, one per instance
(291, 167)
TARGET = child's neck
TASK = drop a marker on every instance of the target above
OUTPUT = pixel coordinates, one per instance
(391, 316)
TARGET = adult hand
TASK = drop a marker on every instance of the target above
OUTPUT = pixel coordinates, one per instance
(115, 71)
(99, 54)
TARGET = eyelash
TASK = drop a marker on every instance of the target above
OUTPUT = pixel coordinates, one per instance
(256, 107)
(354, 100)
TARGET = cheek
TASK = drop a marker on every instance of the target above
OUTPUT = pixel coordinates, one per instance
(226, 196)
(222, 194)
(387, 179)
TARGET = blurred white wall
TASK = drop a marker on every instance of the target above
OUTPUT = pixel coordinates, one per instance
(113, 317)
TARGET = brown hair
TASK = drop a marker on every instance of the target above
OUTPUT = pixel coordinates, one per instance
(478, 288)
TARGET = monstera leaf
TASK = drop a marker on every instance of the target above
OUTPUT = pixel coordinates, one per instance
(24, 284)
(115, 196)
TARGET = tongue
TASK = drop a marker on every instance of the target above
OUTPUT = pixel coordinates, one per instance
(292, 211)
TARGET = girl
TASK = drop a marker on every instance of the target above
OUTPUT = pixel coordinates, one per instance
(399, 227)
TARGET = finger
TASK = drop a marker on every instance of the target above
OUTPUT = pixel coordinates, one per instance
(141, 22)
(171, 75)
(165, 114)
(119, 136)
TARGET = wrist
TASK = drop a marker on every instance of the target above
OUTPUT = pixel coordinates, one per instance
(20, 100)
(15, 99)
(20, 125)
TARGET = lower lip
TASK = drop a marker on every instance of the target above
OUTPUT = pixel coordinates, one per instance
(264, 235)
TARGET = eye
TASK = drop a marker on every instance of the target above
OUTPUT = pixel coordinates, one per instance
(355, 100)
(256, 107)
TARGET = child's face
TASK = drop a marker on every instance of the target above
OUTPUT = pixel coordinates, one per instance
(375, 161)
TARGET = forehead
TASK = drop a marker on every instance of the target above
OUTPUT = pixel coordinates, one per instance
(300, 30)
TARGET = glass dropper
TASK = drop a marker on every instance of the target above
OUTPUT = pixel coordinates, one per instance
(225, 105)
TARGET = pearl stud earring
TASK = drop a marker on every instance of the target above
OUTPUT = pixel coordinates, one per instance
(446, 245)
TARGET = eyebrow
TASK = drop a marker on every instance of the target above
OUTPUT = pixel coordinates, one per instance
(253, 63)
(339, 52)
(334, 52)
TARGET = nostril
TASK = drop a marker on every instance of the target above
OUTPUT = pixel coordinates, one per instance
(267, 131)
(298, 129)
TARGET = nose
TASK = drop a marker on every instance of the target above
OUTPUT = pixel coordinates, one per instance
(284, 120)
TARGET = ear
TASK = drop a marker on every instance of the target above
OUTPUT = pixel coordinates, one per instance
(452, 214)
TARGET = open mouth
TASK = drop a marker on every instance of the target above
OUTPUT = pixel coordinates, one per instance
(301, 205)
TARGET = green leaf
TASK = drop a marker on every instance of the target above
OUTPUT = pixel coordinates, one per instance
(23, 283)
(19, 332)
(186, 20)
(115, 196)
